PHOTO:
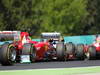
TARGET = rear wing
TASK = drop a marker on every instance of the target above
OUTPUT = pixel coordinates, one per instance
(52, 35)
(14, 35)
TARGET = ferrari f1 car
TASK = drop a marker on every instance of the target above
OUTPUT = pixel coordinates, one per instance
(89, 52)
(50, 47)
(61, 50)
(92, 51)
(10, 52)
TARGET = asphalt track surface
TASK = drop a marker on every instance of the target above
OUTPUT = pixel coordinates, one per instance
(52, 64)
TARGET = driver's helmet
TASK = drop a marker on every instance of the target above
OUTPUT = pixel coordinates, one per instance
(50, 40)
(98, 39)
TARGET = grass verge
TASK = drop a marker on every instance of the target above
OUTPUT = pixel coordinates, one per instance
(60, 71)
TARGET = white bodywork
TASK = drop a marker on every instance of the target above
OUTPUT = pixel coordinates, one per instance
(51, 35)
(15, 35)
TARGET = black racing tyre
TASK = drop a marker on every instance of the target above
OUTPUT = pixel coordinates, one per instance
(80, 52)
(91, 54)
(70, 48)
(98, 55)
(29, 49)
(33, 54)
(60, 49)
(7, 54)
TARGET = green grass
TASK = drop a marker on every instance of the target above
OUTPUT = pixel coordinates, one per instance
(65, 71)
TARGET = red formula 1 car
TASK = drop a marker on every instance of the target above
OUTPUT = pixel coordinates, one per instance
(90, 51)
(62, 50)
(93, 51)
(21, 45)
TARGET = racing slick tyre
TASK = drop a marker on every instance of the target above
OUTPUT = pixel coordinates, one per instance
(60, 49)
(7, 54)
(70, 48)
(79, 52)
(98, 55)
(91, 54)
(29, 49)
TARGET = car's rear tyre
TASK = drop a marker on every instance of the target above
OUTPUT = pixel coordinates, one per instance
(70, 48)
(91, 54)
(60, 49)
(7, 54)
(29, 49)
(79, 52)
(98, 55)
